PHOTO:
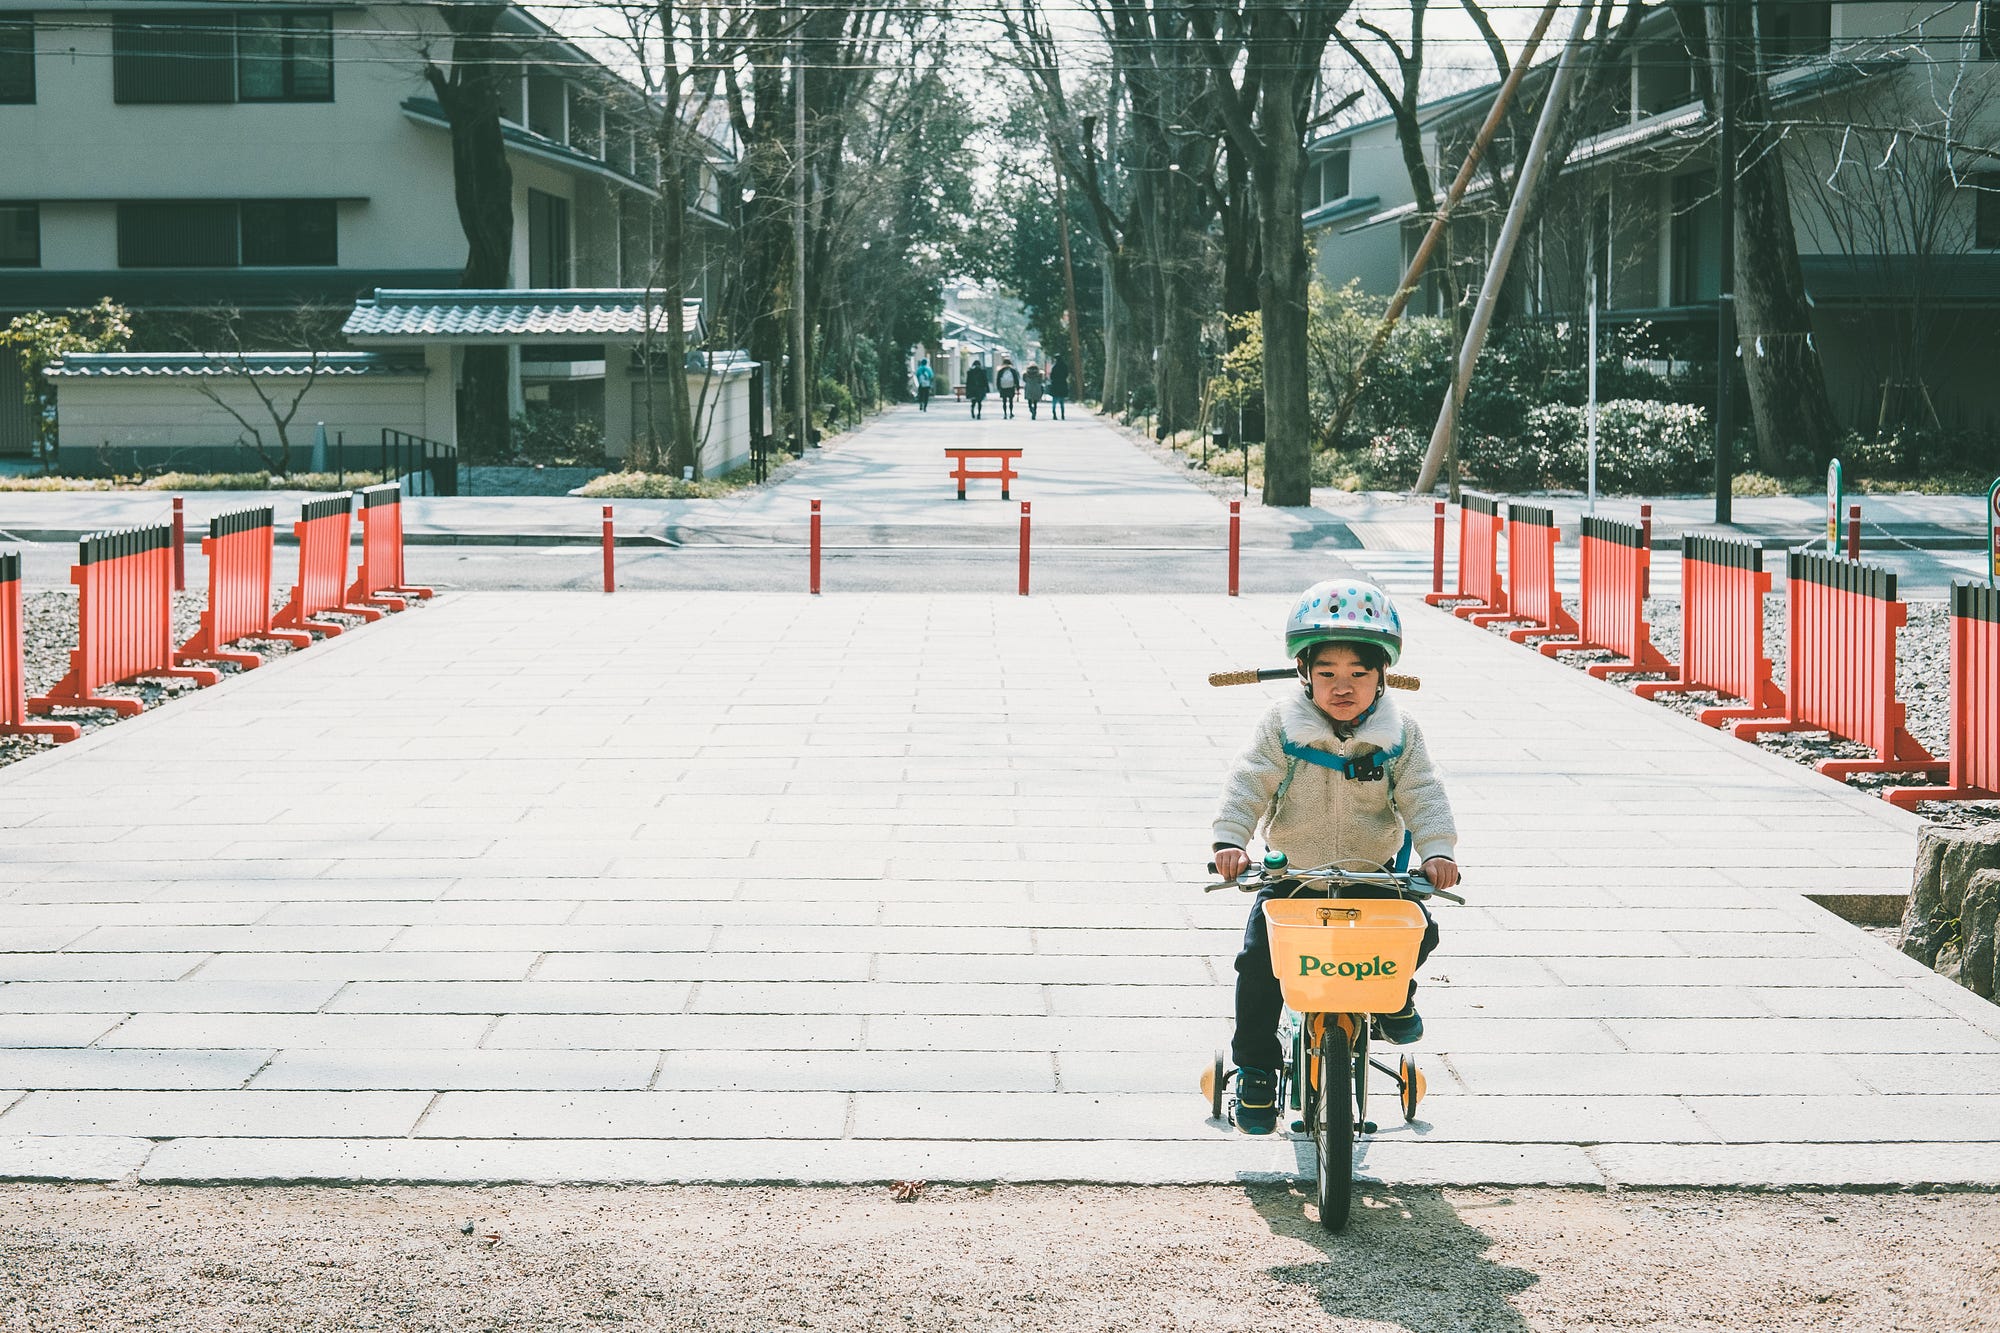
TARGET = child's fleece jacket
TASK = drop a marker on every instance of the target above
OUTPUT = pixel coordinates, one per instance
(1326, 816)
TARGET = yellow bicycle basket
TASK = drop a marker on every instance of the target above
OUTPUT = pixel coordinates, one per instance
(1344, 955)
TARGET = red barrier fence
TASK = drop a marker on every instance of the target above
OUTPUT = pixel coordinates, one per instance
(1532, 538)
(238, 549)
(13, 693)
(1478, 559)
(322, 533)
(1617, 570)
(1723, 584)
(124, 622)
(1975, 702)
(379, 579)
(1842, 621)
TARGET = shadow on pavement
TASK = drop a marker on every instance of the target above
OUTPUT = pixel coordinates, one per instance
(1408, 1260)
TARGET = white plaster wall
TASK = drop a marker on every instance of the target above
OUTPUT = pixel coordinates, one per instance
(146, 412)
(75, 145)
(723, 420)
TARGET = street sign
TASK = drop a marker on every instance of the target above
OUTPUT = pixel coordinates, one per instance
(1833, 505)
(1993, 534)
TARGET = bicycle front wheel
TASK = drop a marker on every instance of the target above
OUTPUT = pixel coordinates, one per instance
(1333, 1126)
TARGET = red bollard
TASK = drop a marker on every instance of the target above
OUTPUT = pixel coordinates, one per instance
(1024, 548)
(1235, 542)
(180, 547)
(1854, 532)
(812, 580)
(610, 572)
(1437, 547)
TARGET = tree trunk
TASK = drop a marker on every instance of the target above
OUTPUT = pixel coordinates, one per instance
(1284, 277)
(1788, 400)
(483, 189)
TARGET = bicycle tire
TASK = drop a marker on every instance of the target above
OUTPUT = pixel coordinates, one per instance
(1333, 1128)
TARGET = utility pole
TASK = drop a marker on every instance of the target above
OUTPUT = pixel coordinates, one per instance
(801, 393)
(1725, 291)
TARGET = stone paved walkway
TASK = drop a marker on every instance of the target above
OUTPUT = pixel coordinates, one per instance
(730, 887)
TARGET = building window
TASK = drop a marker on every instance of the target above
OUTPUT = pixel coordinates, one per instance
(20, 236)
(1333, 170)
(1795, 29)
(1697, 254)
(1989, 29)
(17, 59)
(284, 58)
(178, 57)
(548, 105)
(288, 233)
(1986, 211)
(548, 240)
(251, 233)
(210, 56)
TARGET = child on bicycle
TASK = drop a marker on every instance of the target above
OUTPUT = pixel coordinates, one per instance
(1335, 773)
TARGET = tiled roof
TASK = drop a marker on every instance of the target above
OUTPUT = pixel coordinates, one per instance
(107, 365)
(512, 315)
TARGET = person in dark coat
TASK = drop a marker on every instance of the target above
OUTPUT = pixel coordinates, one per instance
(975, 386)
(1058, 386)
(1008, 381)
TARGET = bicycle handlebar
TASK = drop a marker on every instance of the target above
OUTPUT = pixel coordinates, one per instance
(1392, 679)
(1412, 884)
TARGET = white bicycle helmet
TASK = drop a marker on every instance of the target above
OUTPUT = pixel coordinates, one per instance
(1339, 611)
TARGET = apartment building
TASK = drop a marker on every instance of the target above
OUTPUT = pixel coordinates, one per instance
(182, 157)
(1889, 112)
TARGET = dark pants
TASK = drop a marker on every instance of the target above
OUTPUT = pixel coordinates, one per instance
(1006, 402)
(1033, 403)
(1055, 407)
(977, 403)
(923, 398)
(1259, 1001)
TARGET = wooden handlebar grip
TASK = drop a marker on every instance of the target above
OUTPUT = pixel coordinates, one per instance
(1232, 678)
(1397, 682)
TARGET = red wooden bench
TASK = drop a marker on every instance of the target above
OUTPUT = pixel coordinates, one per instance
(962, 472)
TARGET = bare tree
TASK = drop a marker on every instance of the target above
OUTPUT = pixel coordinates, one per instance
(259, 376)
(468, 87)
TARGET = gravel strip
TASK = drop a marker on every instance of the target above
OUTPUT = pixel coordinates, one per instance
(48, 635)
(1923, 684)
(1049, 1259)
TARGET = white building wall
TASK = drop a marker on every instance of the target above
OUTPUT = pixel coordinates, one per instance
(164, 413)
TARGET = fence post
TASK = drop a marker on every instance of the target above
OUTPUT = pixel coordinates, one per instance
(1437, 547)
(1646, 547)
(812, 578)
(1024, 548)
(180, 547)
(610, 560)
(1854, 532)
(1235, 543)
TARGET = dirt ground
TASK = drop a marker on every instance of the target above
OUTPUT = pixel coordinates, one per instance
(1007, 1260)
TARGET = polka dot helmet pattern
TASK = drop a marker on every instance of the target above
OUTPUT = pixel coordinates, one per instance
(1344, 611)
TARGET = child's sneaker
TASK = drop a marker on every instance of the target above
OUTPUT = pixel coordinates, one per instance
(1255, 1108)
(1405, 1027)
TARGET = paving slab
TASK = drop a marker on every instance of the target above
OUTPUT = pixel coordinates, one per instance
(563, 887)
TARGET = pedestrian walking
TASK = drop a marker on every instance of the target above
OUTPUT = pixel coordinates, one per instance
(925, 378)
(1031, 387)
(1008, 381)
(1058, 386)
(975, 387)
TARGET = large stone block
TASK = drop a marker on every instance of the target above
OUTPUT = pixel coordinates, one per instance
(1947, 860)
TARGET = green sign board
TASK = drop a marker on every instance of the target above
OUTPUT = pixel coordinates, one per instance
(1833, 505)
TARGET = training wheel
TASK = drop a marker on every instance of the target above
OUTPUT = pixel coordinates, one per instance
(1213, 1080)
(1412, 1090)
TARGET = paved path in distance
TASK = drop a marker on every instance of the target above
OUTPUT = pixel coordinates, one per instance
(708, 886)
